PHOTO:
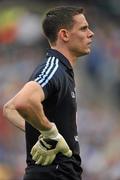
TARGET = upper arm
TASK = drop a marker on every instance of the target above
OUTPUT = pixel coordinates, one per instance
(32, 92)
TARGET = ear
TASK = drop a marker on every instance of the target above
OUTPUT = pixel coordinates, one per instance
(64, 34)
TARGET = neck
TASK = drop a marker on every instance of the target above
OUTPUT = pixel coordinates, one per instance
(63, 50)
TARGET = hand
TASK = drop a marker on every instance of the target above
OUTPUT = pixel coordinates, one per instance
(49, 144)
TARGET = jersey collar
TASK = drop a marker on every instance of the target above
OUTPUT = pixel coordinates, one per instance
(61, 57)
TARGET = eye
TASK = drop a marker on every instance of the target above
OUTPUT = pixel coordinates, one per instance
(84, 28)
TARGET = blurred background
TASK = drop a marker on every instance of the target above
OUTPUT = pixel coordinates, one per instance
(22, 46)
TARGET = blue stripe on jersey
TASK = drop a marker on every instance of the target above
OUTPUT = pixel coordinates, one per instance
(48, 71)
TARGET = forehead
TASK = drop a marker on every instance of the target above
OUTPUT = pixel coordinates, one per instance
(80, 20)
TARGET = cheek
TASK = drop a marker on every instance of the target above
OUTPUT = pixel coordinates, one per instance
(77, 41)
(80, 39)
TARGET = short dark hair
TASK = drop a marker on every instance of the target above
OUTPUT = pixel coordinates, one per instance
(57, 18)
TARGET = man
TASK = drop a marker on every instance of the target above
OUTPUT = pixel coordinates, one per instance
(47, 103)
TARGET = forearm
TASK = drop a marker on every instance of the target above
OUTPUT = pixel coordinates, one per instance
(14, 117)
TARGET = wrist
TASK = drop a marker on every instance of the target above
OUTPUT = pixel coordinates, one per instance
(51, 133)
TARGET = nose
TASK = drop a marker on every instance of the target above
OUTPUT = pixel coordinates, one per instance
(91, 33)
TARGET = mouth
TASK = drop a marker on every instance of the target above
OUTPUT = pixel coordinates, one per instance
(89, 42)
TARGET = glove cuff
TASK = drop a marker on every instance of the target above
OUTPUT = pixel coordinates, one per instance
(52, 133)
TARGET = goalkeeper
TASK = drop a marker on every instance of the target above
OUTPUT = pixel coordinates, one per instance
(45, 108)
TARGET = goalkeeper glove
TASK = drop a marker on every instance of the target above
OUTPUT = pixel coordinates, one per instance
(48, 145)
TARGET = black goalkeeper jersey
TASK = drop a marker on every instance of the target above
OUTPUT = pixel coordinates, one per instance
(56, 77)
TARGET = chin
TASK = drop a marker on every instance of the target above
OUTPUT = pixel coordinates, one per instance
(88, 51)
(85, 53)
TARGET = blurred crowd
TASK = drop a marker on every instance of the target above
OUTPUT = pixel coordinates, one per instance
(22, 47)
